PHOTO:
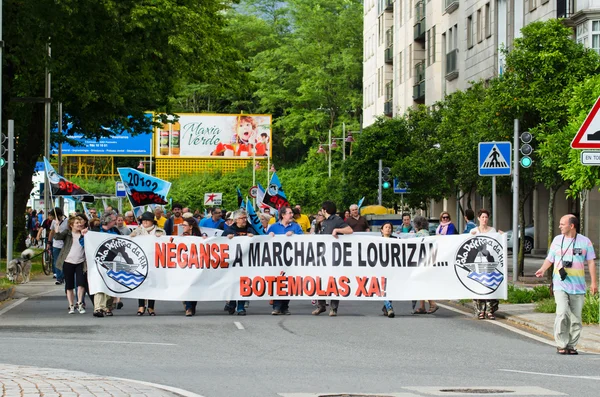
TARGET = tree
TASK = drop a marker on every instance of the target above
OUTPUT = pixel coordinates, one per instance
(535, 88)
(111, 61)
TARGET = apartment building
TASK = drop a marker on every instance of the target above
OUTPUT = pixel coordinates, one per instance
(418, 51)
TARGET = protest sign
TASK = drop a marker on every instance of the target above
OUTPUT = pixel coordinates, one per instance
(298, 267)
(144, 189)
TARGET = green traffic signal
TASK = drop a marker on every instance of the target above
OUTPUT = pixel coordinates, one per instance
(386, 185)
(526, 162)
(2, 162)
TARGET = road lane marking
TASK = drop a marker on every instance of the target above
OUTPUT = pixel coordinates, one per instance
(13, 305)
(238, 325)
(511, 328)
(112, 342)
(545, 374)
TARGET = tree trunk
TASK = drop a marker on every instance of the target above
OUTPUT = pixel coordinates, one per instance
(583, 195)
(551, 197)
(521, 232)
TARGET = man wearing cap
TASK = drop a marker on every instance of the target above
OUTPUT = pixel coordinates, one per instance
(213, 221)
(174, 225)
(286, 226)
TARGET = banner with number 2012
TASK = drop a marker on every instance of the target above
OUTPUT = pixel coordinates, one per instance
(143, 189)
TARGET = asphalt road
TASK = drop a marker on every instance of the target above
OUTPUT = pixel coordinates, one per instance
(259, 355)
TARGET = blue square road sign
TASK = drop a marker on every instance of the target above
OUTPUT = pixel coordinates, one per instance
(495, 158)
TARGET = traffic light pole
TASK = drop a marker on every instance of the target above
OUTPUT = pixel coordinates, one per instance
(515, 220)
(10, 189)
(380, 192)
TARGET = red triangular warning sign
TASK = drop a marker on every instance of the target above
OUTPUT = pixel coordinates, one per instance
(588, 136)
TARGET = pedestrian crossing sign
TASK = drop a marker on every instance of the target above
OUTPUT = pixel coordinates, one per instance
(494, 158)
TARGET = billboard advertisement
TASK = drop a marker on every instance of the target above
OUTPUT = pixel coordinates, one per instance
(122, 144)
(215, 136)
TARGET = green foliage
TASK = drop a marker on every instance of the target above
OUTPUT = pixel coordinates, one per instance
(589, 313)
(527, 295)
(546, 306)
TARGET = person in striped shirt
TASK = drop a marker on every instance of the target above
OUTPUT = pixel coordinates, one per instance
(569, 252)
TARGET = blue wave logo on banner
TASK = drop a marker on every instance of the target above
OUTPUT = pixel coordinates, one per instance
(144, 189)
(491, 280)
(253, 218)
(131, 280)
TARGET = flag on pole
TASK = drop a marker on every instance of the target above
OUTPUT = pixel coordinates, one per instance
(260, 195)
(240, 198)
(275, 196)
(360, 202)
(144, 189)
(253, 218)
(59, 185)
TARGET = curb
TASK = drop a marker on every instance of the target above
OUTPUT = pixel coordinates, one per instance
(6, 294)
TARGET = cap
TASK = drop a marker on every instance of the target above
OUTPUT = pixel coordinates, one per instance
(147, 216)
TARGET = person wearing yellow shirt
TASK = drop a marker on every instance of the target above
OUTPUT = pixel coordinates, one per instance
(159, 217)
(301, 219)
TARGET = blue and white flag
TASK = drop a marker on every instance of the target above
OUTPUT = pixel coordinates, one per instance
(275, 196)
(143, 189)
(253, 218)
(260, 195)
(360, 202)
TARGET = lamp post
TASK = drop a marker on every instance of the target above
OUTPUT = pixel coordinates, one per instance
(333, 145)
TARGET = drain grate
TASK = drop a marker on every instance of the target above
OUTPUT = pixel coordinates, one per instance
(477, 391)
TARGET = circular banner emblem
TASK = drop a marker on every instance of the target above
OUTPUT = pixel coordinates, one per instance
(122, 264)
(479, 264)
(273, 189)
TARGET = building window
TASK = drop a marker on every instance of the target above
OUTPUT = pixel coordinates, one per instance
(488, 20)
(532, 5)
(428, 43)
(379, 88)
(381, 29)
(582, 34)
(479, 26)
(399, 68)
(410, 9)
(410, 60)
(400, 16)
(470, 31)
(431, 46)
(596, 36)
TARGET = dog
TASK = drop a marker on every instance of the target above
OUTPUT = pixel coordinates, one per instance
(20, 267)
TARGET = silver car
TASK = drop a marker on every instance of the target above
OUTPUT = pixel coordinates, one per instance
(527, 243)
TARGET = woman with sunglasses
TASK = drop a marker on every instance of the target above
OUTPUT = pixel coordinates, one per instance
(446, 226)
(484, 305)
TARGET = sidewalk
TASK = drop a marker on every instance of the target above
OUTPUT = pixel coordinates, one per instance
(17, 380)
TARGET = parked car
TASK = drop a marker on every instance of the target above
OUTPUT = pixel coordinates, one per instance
(527, 243)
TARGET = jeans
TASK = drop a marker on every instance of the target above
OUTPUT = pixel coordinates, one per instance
(567, 325)
(190, 305)
(58, 272)
(388, 305)
(240, 305)
(281, 305)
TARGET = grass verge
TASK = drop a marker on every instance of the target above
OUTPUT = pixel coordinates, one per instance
(527, 295)
(589, 314)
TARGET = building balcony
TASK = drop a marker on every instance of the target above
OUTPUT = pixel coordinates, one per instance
(565, 8)
(452, 65)
(388, 108)
(389, 55)
(451, 6)
(419, 92)
(419, 30)
(420, 72)
(420, 10)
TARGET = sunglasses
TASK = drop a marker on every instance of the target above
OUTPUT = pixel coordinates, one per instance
(445, 217)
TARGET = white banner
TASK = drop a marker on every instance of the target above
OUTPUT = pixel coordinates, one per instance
(298, 267)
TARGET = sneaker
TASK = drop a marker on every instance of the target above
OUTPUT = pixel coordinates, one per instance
(318, 310)
(81, 308)
(98, 314)
(390, 313)
(54, 275)
(332, 313)
(276, 312)
(241, 313)
(287, 312)
(57, 282)
(71, 309)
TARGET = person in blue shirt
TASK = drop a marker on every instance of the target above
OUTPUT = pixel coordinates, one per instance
(285, 226)
(213, 221)
(470, 219)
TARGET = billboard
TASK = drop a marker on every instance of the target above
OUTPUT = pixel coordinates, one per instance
(124, 144)
(215, 136)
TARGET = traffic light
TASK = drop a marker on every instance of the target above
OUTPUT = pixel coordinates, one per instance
(526, 149)
(385, 178)
(3, 150)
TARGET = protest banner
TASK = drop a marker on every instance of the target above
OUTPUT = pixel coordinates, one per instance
(298, 267)
(144, 189)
